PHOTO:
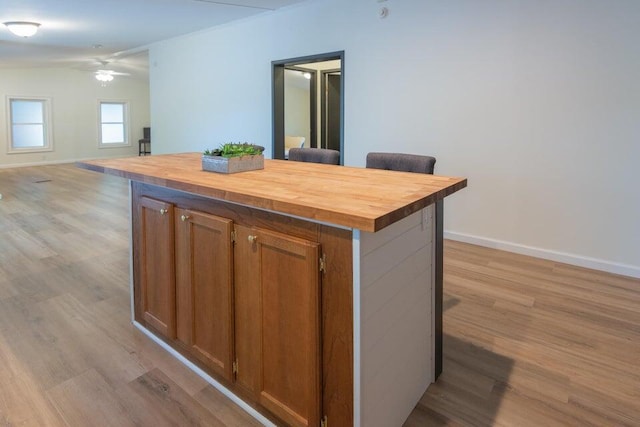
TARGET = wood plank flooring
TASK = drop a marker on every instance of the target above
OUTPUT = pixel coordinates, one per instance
(69, 355)
(527, 342)
(530, 342)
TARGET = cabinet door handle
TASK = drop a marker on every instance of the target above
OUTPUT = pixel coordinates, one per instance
(252, 239)
(184, 217)
(163, 211)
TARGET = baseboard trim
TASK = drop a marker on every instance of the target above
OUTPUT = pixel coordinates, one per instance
(567, 258)
(222, 389)
(55, 162)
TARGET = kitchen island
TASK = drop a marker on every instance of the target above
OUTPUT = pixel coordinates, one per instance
(307, 293)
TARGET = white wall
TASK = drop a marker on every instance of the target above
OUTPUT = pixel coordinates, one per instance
(74, 104)
(536, 103)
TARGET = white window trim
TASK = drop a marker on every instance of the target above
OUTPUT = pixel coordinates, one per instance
(127, 121)
(48, 125)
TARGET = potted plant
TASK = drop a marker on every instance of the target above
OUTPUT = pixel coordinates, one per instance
(233, 157)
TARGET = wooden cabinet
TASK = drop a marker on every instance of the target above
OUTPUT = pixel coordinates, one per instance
(155, 241)
(277, 288)
(361, 281)
(222, 292)
(204, 292)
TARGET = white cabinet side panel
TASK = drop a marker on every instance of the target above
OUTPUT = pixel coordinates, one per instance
(396, 342)
(375, 240)
(131, 296)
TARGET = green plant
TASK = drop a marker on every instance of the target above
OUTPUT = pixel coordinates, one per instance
(235, 149)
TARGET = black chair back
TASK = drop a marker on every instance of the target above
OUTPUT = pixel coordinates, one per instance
(401, 162)
(315, 155)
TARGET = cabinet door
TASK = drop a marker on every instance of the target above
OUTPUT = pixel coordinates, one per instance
(156, 263)
(204, 262)
(277, 285)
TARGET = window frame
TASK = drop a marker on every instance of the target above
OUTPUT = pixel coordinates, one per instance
(46, 123)
(125, 123)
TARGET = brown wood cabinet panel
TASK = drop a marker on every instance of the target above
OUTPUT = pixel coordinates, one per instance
(156, 264)
(284, 312)
(337, 326)
(247, 315)
(251, 299)
(239, 214)
(204, 276)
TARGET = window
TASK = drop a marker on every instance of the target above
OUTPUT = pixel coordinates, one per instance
(114, 127)
(30, 128)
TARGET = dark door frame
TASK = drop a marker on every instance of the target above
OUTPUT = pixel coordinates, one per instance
(323, 104)
(277, 97)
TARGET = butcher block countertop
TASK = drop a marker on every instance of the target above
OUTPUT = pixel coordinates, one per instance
(366, 199)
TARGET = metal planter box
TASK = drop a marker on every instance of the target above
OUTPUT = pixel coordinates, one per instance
(232, 164)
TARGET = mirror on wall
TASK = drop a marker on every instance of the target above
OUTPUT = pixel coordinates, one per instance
(308, 103)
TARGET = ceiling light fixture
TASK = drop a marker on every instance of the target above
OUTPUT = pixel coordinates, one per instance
(22, 28)
(104, 78)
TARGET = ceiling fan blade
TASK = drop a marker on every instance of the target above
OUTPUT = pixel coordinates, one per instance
(112, 72)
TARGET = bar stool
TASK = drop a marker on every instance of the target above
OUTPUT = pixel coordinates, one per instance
(144, 144)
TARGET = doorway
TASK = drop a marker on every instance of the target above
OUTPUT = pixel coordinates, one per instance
(315, 118)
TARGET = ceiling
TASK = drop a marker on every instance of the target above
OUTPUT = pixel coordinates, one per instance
(80, 34)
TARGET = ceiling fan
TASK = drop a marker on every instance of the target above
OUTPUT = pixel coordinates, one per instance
(105, 75)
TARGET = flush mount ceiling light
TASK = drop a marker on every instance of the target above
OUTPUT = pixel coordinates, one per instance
(22, 28)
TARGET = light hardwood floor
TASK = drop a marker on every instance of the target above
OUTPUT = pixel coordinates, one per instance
(527, 342)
